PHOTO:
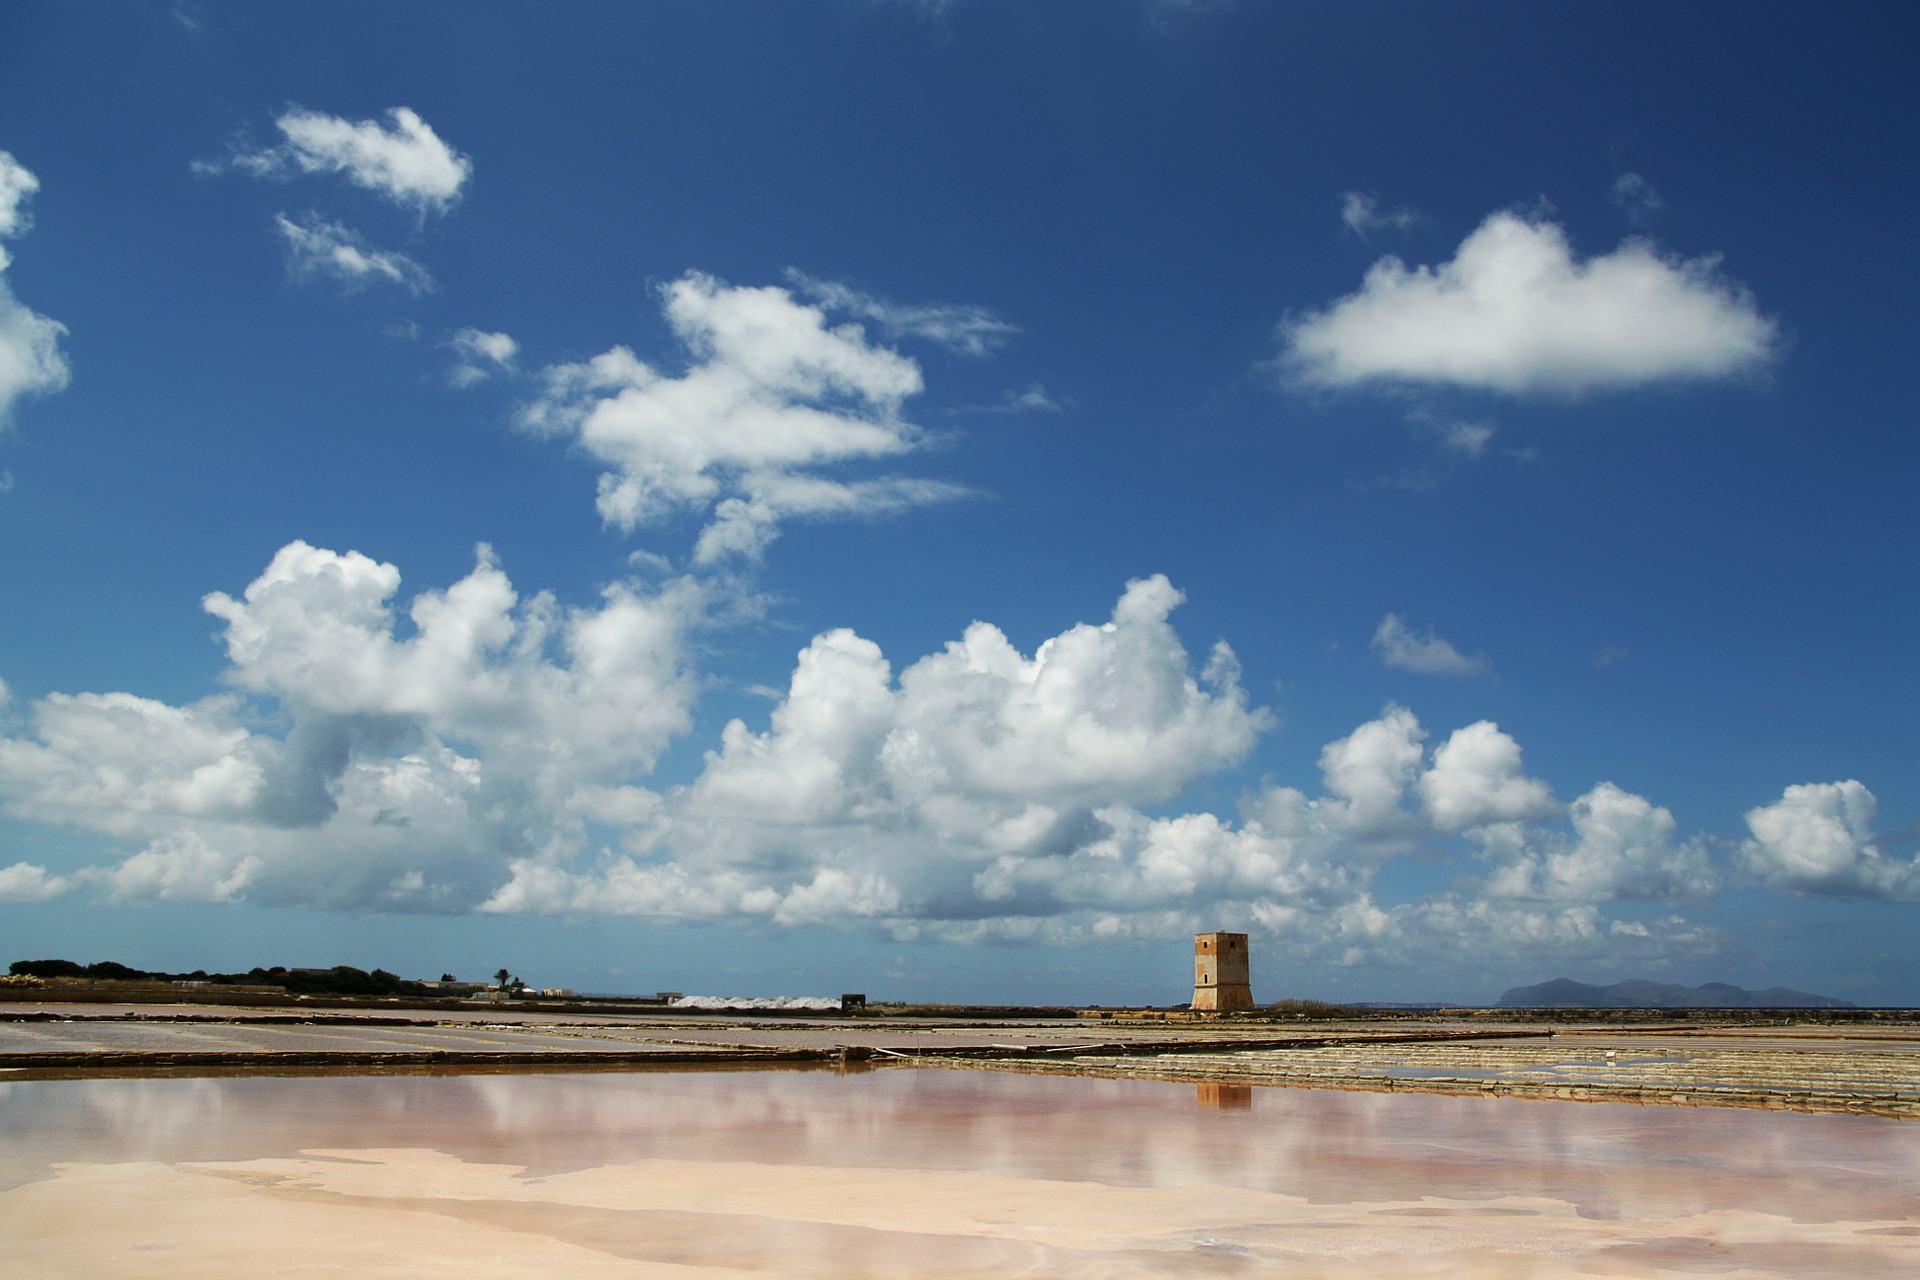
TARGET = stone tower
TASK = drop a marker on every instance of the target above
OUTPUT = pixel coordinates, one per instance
(1220, 978)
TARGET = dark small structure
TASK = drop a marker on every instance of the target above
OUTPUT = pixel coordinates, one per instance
(851, 1001)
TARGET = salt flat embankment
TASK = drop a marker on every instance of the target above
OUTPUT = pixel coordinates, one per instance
(1860, 1067)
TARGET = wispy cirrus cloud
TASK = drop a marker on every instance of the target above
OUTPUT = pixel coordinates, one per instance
(1398, 645)
(318, 247)
(1469, 438)
(478, 355)
(1465, 436)
(1363, 215)
(1032, 398)
(1635, 198)
(969, 330)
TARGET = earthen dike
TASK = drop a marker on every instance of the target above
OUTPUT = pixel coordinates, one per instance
(1858, 1061)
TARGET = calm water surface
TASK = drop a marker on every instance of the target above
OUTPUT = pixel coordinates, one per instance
(1609, 1162)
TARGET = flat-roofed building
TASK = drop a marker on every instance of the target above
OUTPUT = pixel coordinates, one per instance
(1221, 980)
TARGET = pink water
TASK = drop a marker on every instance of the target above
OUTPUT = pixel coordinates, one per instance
(1610, 1162)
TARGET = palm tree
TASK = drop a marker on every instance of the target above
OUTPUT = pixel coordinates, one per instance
(500, 978)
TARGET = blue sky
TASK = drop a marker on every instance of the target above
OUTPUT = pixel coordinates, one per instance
(947, 500)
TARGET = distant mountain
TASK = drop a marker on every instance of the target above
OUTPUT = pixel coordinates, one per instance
(1638, 993)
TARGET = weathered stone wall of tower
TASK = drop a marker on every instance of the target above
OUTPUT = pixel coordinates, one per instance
(1222, 981)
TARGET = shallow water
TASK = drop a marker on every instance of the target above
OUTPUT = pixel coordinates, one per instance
(932, 1172)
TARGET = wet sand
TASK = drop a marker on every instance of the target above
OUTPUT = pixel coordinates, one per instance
(926, 1173)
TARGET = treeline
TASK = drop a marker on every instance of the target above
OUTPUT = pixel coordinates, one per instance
(341, 980)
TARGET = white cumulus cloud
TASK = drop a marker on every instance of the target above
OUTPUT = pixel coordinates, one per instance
(1400, 646)
(1476, 780)
(115, 761)
(403, 160)
(772, 397)
(1515, 311)
(951, 819)
(470, 749)
(361, 766)
(179, 868)
(317, 246)
(1818, 838)
(31, 362)
(1622, 847)
(1097, 714)
(907, 790)
(1368, 773)
(17, 185)
(1449, 930)
(30, 882)
(567, 694)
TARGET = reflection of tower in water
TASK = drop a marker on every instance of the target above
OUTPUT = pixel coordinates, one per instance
(1213, 1096)
(1220, 977)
